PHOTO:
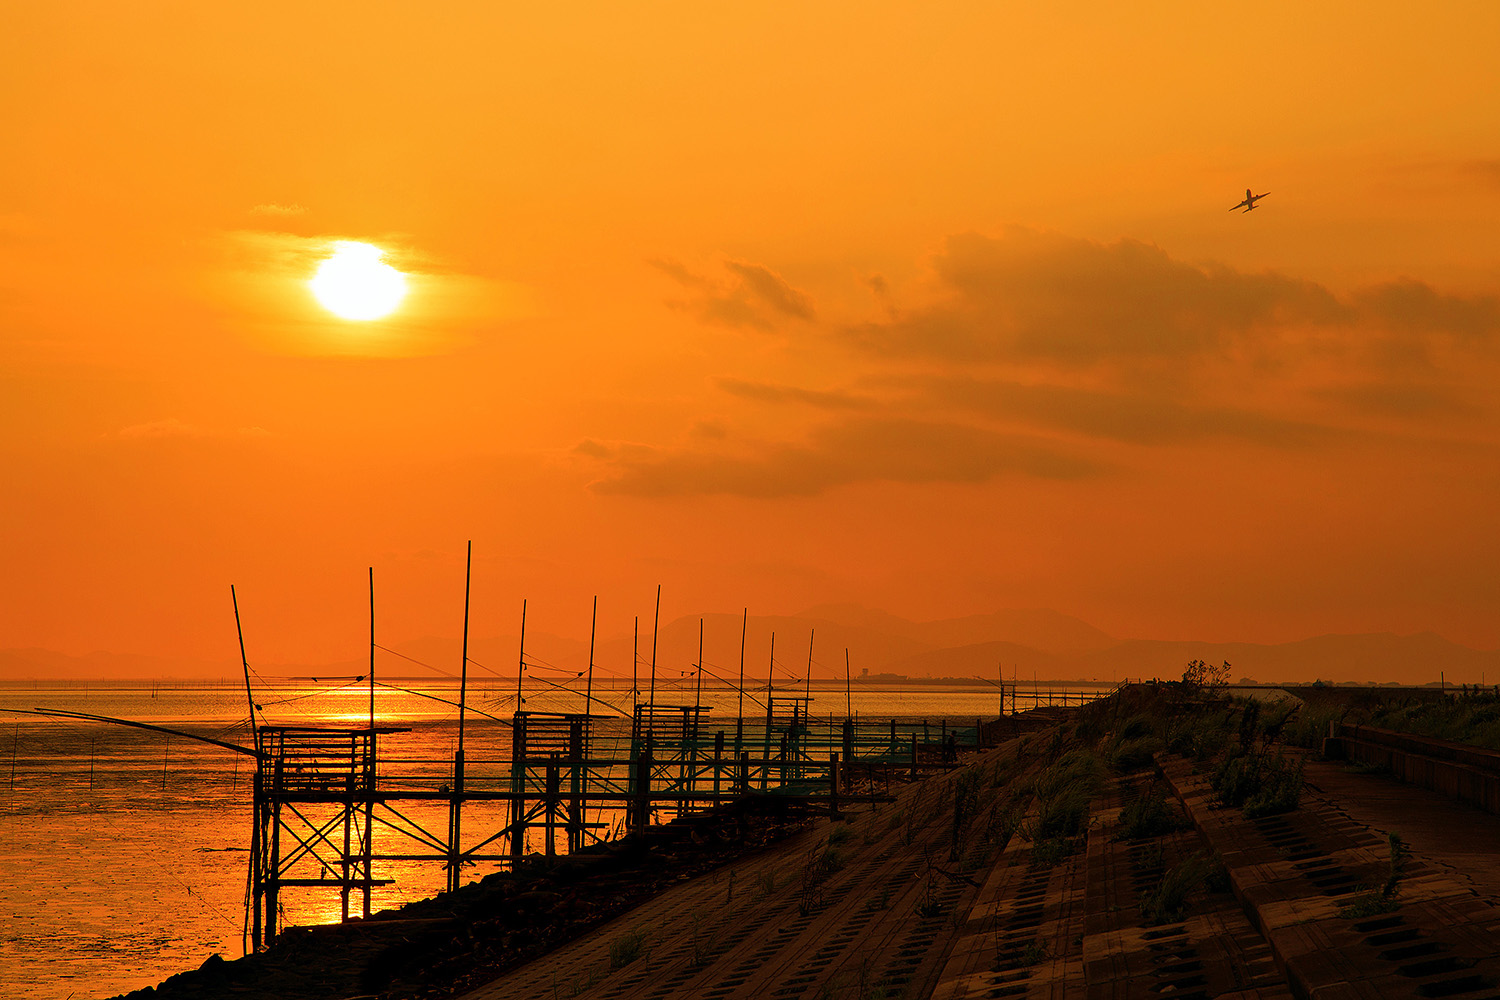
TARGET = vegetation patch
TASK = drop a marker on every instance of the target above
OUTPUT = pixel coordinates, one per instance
(1167, 903)
(1148, 815)
(627, 948)
(1259, 782)
(1051, 852)
(1063, 793)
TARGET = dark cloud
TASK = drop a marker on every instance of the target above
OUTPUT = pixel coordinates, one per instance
(1413, 307)
(1402, 400)
(771, 289)
(593, 449)
(710, 430)
(857, 450)
(1136, 418)
(1029, 296)
(1488, 171)
(1037, 340)
(752, 296)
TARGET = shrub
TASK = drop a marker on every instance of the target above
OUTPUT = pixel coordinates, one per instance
(1199, 674)
(1276, 716)
(1280, 790)
(1249, 717)
(1051, 852)
(1148, 815)
(627, 948)
(1135, 727)
(1168, 901)
(1259, 782)
(1131, 755)
(1063, 793)
(1399, 856)
(1308, 727)
(1201, 735)
(1384, 899)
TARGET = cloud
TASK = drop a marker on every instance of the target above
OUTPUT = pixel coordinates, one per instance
(710, 430)
(169, 428)
(1131, 417)
(766, 392)
(271, 208)
(172, 428)
(1098, 330)
(593, 449)
(1049, 357)
(1398, 399)
(1488, 171)
(753, 296)
(1029, 296)
(1414, 307)
(857, 450)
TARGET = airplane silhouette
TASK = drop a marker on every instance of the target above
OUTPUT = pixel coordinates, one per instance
(1250, 200)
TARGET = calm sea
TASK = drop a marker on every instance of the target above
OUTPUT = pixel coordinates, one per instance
(123, 852)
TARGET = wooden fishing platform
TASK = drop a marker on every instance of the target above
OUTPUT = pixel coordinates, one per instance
(326, 812)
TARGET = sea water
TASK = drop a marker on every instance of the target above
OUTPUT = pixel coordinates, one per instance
(124, 852)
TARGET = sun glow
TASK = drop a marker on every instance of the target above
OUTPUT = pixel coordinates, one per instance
(354, 284)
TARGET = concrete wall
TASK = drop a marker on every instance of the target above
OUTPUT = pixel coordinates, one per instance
(1469, 774)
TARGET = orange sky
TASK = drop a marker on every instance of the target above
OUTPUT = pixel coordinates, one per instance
(935, 309)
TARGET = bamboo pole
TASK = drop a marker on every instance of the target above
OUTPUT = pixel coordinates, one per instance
(655, 626)
(848, 691)
(368, 848)
(456, 803)
(588, 698)
(739, 725)
(521, 658)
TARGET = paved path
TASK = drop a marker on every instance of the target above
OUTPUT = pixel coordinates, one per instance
(1449, 835)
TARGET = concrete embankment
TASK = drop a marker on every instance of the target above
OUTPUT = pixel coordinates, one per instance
(1308, 879)
(908, 915)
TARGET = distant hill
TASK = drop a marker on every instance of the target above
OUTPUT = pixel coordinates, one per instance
(677, 647)
(986, 660)
(1378, 658)
(1039, 628)
(1025, 643)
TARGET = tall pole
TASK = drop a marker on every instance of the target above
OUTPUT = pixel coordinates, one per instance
(848, 693)
(698, 695)
(770, 718)
(739, 724)
(588, 698)
(244, 662)
(635, 664)
(463, 674)
(456, 804)
(808, 692)
(372, 655)
(257, 875)
(521, 659)
(697, 707)
(771, 667)
(369, 848)
(655, 625)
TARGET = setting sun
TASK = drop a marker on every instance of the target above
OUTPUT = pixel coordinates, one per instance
(354, 284)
